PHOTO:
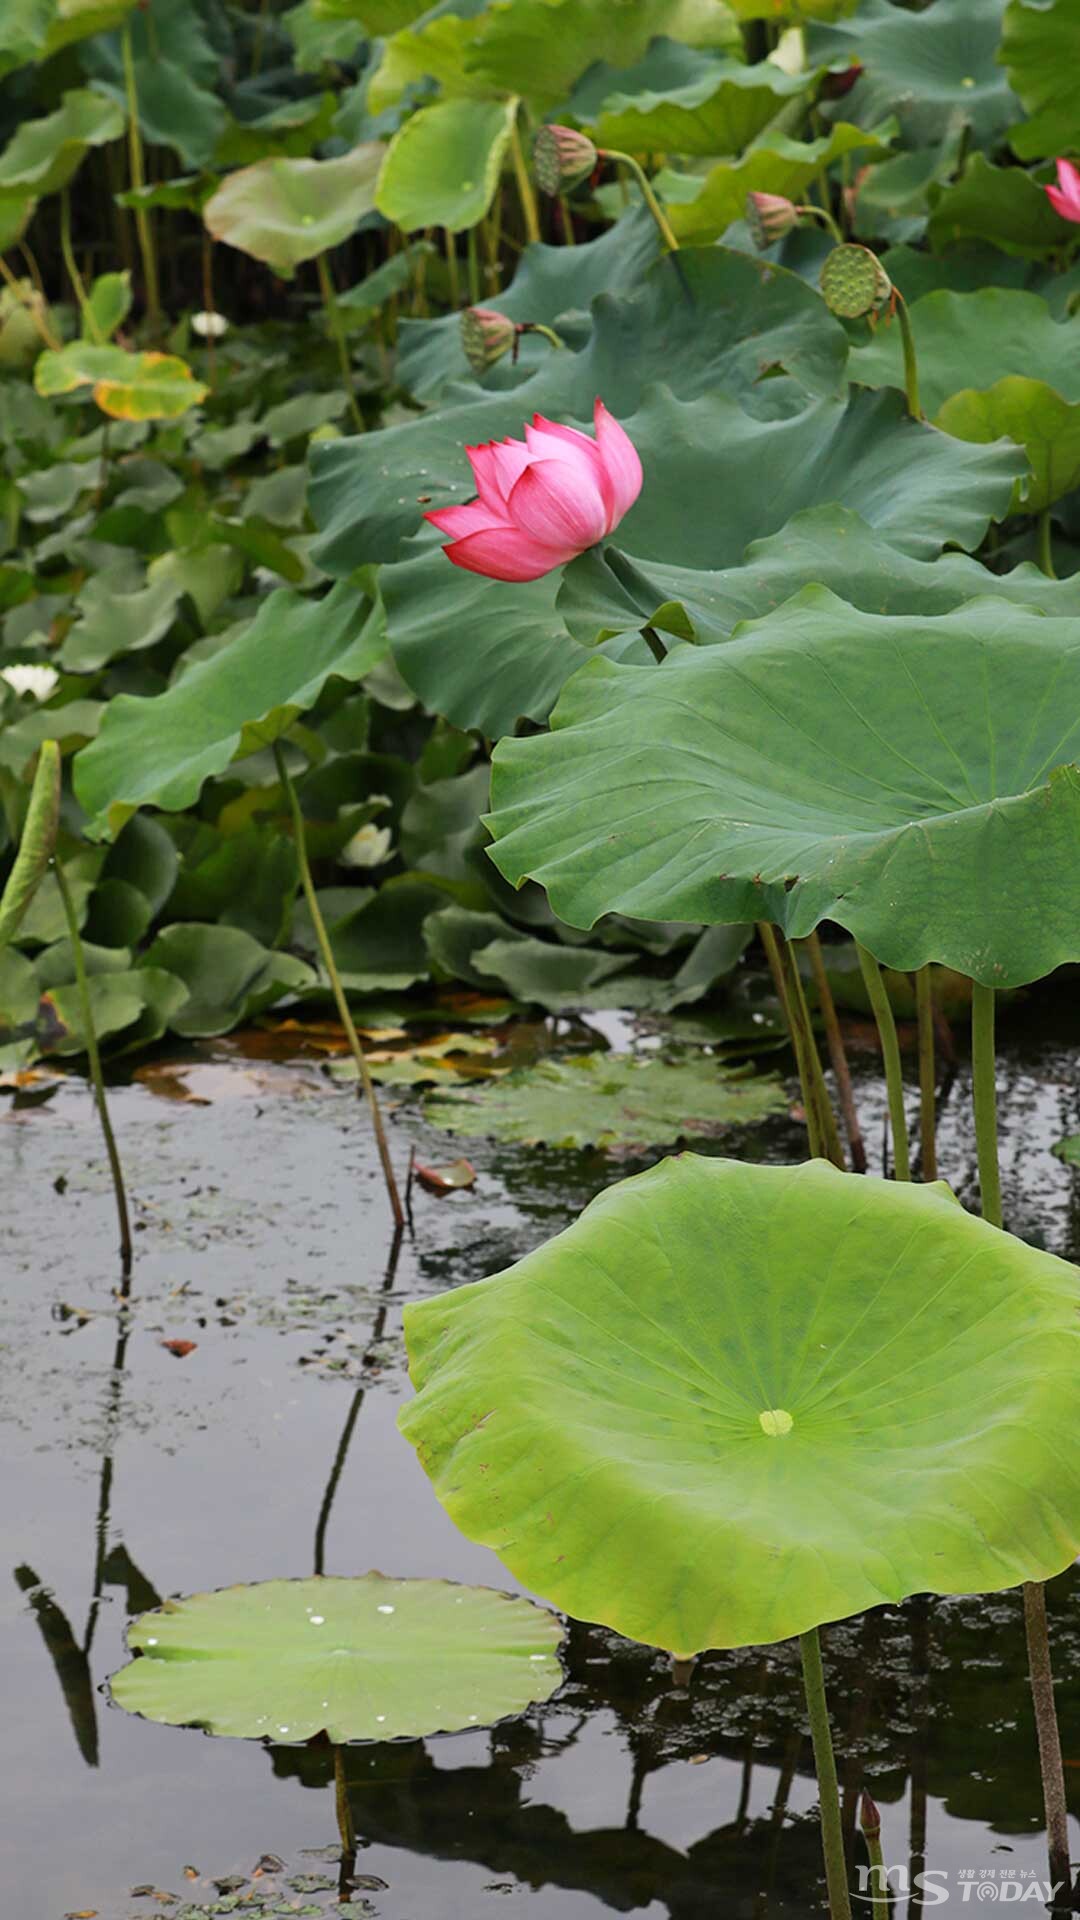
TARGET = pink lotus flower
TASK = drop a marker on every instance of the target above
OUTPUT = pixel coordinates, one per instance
(542, 500)
(1065, 197)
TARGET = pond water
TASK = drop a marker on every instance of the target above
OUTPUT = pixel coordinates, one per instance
(269, 1449)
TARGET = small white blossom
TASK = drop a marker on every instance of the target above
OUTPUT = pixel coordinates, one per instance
(367, 848)
(209, 326)
(39, 681)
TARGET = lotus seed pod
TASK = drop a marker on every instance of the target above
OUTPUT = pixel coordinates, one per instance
(562, 159)
(485, 337)
(769, 217)
(854, 282)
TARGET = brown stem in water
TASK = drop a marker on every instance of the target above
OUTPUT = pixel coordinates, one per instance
(1046, 1727)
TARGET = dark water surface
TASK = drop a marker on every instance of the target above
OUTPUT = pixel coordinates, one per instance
(130, 1474)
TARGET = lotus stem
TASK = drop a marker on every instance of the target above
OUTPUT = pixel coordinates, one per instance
(473, 258)
(86, 311)
(346, 1828)
(822, 214)
(1046, 1727)
(890, 1048)
(837, 1053)
(924, 1003)
(94, 1059)
(824, 1141)
(911, 365)
(568, 239)
(450, 250)
(1045, 544)
(832, 1832)
(138, 181)
(627, 160)
(37, 314)
(327, 953)
(984, 1097)
(333, 321)
(654, 643)
(529, 211)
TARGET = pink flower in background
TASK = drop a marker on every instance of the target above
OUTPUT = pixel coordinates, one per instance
(542, 500)
(1065, 197)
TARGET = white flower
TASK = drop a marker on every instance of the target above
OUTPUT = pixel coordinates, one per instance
(40, 681)
(209, 326)
(367, 848)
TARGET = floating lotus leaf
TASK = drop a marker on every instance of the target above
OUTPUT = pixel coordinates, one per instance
(733, 1402)
(973, 340)
(914, 780)
(364, 1659)
(609, 1100)
(286, 211)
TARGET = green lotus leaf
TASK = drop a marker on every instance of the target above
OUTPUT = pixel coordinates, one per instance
(965, 340)
(127, 386)
(824, 764)
(1034, 415)
(719, 113)
(604, 592)
(555, 285)
(1001, 205)
(1040, 51)
(229, 977)
(36, 843)
(178, 73)
(1068, 1149)
(31, 30)
(609, 1100)
(776, 164)
(362, 1659)
(443, 165)
(133, 1004)
(733, 1402)
(285, 211)
(797, 9)
(928, 67)
(159, 750)
(43, 154)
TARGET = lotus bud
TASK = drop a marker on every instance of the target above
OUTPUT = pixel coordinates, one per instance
(769, 217)
(562, 159)
(485, 336)
(854, 282)
(869, 1816)
(835, 85)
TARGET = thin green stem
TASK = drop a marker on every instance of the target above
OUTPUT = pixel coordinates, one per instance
(1049, 1737)
(828, 1132)
(474, 267)
(568, 239)
(450, 249)
(654, 643)
(37, 313)
(327, 952)
(837, 1053)
(537, 326)
(346, 1829)
(529, 211)
(870, 1821)
(627, 160)
(337, 329)
(821, 1132)
(1045, 544)
(823, 214)
(94, 1059)
(89, 323)
(984, 1097)
(138, 180)
(832, 1832)
(924, 1003)
(911, 365)
(890, 1049)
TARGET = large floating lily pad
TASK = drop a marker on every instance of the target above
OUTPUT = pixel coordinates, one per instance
(364, 1659)
(733, 1402)
(609, 1100)
(914, 780)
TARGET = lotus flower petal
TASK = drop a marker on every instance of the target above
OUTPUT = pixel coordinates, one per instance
(505, 553)
(560, 504)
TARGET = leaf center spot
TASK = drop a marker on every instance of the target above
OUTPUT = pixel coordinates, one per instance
(776, 1421)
